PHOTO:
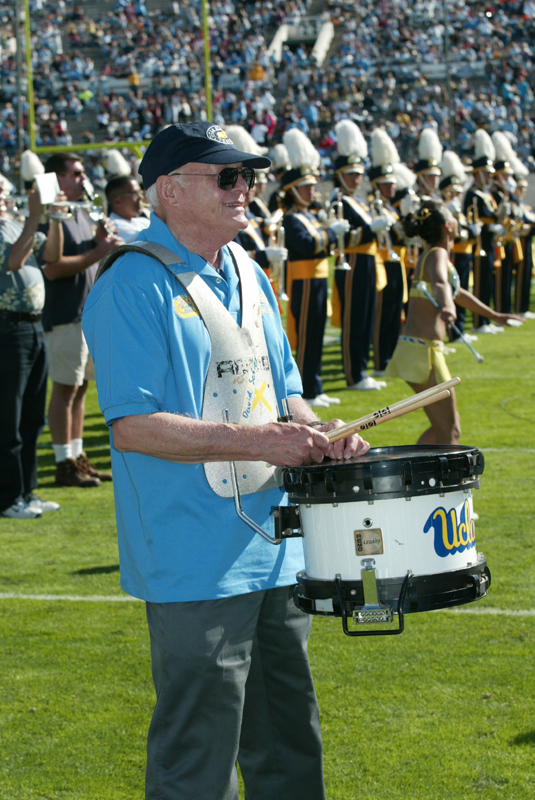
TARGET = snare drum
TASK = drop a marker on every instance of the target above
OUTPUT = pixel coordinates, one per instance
(388, 533)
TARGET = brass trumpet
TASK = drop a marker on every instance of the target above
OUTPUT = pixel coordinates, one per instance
(336, 212)
(472, 217)
(277, 238)
(17, 204)
(384, 240)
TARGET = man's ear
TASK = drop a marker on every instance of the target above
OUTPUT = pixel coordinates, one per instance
(168, 190)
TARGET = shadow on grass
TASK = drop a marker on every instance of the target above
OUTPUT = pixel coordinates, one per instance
(97, 570)
(524, 738)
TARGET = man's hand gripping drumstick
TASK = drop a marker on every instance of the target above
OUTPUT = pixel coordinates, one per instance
(439, 392)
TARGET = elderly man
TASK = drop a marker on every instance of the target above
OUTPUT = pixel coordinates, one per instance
(125, 204)
(178, 340)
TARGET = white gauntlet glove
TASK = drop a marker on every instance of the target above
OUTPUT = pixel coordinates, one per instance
(476, 228)
(339, 226)
(380, 224)
(497, 229)
(276, 255)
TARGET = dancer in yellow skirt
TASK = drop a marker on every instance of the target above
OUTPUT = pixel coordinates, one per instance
(419, 355)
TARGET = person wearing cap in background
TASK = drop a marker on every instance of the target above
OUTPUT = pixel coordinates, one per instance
(125, 207)
(427, 168)
(480, 206)
(355, 288)
(391, 245)
(192, 365)
(452, 188)
(309, 245)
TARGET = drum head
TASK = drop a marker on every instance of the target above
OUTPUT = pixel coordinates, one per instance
(384, 472)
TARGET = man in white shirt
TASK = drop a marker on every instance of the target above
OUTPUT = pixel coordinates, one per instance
(125, 203)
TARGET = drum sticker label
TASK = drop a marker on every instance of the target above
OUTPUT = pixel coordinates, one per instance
(452, 535)
(369, 542)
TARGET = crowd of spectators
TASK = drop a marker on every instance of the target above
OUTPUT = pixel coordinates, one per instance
(137, 68)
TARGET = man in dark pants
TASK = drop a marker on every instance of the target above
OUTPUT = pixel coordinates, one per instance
(309, 245)
(23, 357)
(178, 338)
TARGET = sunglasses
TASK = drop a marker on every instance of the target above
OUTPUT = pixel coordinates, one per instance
(227, 178)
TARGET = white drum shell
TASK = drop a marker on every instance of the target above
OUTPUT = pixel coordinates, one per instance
(329, 532)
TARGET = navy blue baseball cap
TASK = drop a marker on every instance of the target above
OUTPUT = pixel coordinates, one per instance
(201, 142)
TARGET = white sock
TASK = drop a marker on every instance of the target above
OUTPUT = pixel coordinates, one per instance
(62, 452)
(77, 447)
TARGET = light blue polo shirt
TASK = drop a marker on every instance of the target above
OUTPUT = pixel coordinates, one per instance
(178, 540)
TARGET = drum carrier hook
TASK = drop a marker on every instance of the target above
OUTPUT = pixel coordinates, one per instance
(237, 498)
(373, 611)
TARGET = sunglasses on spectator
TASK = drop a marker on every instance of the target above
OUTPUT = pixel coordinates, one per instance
(75, 172)
(227, 178)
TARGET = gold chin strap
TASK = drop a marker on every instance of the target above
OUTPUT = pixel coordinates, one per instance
(298, 197)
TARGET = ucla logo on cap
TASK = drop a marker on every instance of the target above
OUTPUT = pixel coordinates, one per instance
(452, 535)
(217, 134)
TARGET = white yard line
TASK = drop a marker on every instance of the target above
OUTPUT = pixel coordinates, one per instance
(72, 598)
(123, 598)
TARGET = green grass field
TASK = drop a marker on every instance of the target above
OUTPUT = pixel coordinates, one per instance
(446, 710)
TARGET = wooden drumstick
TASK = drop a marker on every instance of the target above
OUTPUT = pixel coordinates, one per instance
(420, 400)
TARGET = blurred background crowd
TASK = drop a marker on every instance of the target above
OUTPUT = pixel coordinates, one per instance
(114, 70)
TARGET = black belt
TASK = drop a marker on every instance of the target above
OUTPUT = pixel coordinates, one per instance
(21, 316)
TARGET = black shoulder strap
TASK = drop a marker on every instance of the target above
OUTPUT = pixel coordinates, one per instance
(152, 249)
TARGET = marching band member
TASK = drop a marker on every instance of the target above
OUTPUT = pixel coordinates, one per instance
(308, 246)
(389, 301)
(452, 188)
(280, 162)
(355, 288)
(257, 206)
(252, 239)
(525, 267)
(508, 215)
(427, 167)
(405, 201)
(480, 206)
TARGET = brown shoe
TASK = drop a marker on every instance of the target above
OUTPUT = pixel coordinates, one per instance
(68, 473)
(88, 469)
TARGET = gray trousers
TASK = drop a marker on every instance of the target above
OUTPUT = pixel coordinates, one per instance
(233, 683)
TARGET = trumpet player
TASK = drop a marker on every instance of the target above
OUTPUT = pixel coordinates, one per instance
(126, 204)
(309, 245)
(480, 205)
(23, 356)
(355, 288)
(509, 216)
(68, 280)
(391, 246)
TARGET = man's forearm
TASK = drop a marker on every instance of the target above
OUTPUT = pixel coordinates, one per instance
(66, 266)
(22, 248)
(184, 440)
(53, 249)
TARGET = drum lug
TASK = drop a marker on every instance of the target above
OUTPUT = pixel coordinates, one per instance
(287, 522)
